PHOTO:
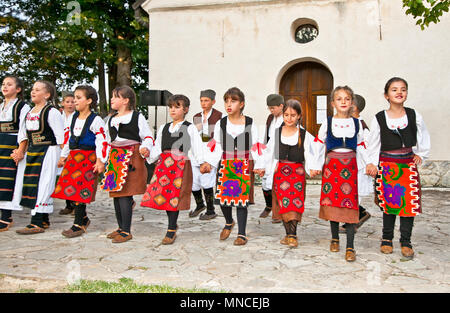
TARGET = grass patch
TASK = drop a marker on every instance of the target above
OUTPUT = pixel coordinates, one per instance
(26, 291)
(127, 285)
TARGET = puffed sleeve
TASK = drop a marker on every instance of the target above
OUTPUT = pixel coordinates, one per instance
(361, 150)
(102, 147)
(423, 146)
(155, 152)
(310, 160)
(257, 149)
(197, 147)
(22, 134)
(145, 133)
(214, 148)
(374, 143)
(56, 122)
(317, 159)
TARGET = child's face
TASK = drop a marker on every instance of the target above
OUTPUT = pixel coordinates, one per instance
(117, 102)
(233, 106)
(397, 93)
(177, 112)
(9, 88)
(290, 117)
(342, 102)
(206, 103)
(39, 94)
(81, 102)
(276, 110)
(68, 104)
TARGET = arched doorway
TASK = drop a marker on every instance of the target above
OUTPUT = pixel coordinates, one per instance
(310, 83)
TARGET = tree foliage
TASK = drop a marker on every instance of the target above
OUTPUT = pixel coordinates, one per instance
(426, 12)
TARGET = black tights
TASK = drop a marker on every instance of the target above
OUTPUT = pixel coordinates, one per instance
(241, 212)
(291, 227)
(406, 226)
(172, 217)
(350, 230)
(123, 207)
(6, 215)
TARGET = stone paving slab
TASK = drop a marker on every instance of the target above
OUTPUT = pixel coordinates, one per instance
(199, 259)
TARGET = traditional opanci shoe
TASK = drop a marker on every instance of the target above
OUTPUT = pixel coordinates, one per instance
(334, 245)
(386, 248)
(408, 252)
(240, 240)
(225, 233)
(6, 225)
(350, 255)
(122, 237)
(30, 230)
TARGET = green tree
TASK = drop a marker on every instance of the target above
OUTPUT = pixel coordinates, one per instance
(72, 42)
(426, 12)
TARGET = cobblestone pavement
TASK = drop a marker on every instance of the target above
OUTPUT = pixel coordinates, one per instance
(199, 259)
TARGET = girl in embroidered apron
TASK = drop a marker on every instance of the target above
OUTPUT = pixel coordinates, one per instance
(176, 144)
(44, 128)
(236, 149)
(83, 157)
(343, 138)
(398, 144)
(131, 141)
(12, 162)
(287, 151)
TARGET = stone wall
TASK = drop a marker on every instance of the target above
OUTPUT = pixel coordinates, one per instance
(435, 174)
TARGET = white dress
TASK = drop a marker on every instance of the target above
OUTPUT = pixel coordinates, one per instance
(267, 180)
(7, 115)
(47, 179)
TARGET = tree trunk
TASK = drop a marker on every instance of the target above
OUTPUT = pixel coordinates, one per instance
(123, 66)
(103, 105)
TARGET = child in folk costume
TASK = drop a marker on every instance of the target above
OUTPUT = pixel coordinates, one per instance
(68, 105)
(339, 143)
(365, 182)
(177, 143)
(131, 141)
(275, 104)
(84, 156)
(12, 162)
(205, 122)
(399, 142)
(288, 153)
(44, 128)
(236, 149)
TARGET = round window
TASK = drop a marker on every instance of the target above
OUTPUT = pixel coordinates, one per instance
(306, 33)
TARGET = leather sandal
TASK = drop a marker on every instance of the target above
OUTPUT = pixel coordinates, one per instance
(408, 252)
(386, 249)
(167, 240)
(240, 240)
(70, 233)
(266, 212)
(350, 255)
(122, 237)
(226, 232)
(113, 234)
(284, 241)
(334, 245)
(8, 225)
(30, 229)
(197, 211)
(292, 241)
(205, 216)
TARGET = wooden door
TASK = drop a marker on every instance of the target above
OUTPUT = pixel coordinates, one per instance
(309, 83)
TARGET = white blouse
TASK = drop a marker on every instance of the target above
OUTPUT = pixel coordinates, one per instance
(98, 127)
(214, 157)
(197, 152)
(32, 122)
(422, 148)
(341, 127)
(145, 133)
(6, 114)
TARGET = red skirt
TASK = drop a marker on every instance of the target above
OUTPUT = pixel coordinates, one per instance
(167, 188)
(77, 181)
(289, 186)
(340, 181)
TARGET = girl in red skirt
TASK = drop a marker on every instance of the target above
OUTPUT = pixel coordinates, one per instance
(286, 153)
(339, 142)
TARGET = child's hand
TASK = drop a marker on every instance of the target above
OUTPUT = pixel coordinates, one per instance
(61, 161)
(417, 159)
(371, 170)
(99, 166)
(205, 168)
(145, 153)
(259, 172)
(17, 156)
(314, 173)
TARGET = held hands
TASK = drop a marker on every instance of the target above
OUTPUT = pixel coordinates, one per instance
(61, 161)
(205, 168)
(145, 153)
(371, 170)
(260, 172)
(314, 173)
(417, 159)
(99, 166)
(17, 156)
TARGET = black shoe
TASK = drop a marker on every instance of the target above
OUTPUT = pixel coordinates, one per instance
(197, 211)
(363, 219)
(207, 216)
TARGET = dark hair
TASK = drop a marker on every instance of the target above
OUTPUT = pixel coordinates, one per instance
(393, 80)
(235, 94)
(50, 89)
(360, 103)
(89, 93)
(297, 107)
(126, 92)
(179, 100)
(19, 84)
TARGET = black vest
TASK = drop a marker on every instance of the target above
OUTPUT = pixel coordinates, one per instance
(13, 125)
(43, 136)
(290, 153)
(86, 140)
(398, 138)
(179, 140)
(241, 143)
(126, 131)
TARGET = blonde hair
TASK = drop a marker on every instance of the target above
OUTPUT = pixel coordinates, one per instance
(345, 88)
